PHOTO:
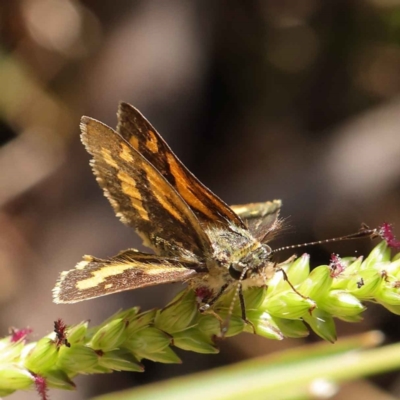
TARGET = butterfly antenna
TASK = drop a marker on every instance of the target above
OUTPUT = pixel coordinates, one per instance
(225, 324)
(364, 231)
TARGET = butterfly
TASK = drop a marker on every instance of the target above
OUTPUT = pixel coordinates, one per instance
(195, 237)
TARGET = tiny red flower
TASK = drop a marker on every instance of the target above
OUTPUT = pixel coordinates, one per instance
(336, 266)
(41, 387)
(19, 334)
(386, 233)
(59, 329)
(202, 293)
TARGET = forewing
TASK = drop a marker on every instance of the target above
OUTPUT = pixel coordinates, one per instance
(262, 219)
(136, 130)
(140, 195)
(94, 277)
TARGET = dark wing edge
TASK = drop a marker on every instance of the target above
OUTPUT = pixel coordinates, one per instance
(94, 277)
(140, 195)
(138, 131)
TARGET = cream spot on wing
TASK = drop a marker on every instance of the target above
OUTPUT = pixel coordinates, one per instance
(239, 209)
(125, 178)
(128, 186)
(108, 286)
(81, 265)
(101, 275)
(161, 270)
(151, 143)
(125, 154)
(134, 142)
(108, 158)
(86, 260)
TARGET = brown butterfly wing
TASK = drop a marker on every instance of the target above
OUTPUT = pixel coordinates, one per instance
(94, 277)
(262, 219)
(140, 195)
(136, 130)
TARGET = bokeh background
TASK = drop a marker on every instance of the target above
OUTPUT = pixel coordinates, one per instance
(297, 100)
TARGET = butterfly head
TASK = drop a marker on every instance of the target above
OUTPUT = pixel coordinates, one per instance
(251, 262)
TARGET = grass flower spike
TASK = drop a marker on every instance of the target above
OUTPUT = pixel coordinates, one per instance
(275, 312)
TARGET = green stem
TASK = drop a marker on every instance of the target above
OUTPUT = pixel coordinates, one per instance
(261, 378)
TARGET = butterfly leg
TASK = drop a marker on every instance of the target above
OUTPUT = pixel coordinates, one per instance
(225, 324)
(243, 310)
(286, 278)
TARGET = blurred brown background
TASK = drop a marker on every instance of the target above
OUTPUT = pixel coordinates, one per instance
(297, 100)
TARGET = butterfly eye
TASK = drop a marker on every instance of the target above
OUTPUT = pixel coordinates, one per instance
(234, 272)
(268, 250)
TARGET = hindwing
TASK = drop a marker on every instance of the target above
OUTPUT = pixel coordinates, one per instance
(262, 219)
(95, 277)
